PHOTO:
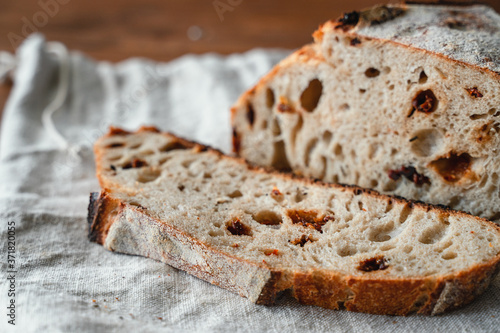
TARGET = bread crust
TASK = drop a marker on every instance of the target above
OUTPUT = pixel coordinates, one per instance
(130, 229)
(388, 31)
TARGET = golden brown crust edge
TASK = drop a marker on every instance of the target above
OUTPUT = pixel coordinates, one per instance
(427, 295)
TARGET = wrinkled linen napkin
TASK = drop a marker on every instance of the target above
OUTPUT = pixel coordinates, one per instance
(62, 282)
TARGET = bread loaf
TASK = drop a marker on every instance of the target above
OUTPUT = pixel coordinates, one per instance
(403, 99)
(257, 232)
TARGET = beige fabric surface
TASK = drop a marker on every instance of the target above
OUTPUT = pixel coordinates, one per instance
(66, 284)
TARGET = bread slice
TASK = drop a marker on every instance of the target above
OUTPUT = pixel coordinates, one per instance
(257, 233)
(403, 99)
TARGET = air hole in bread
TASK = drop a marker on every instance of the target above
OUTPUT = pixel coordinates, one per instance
(264, 124)
(207, 175)
(279, 159)
(147, 152)
(492, 189)
(494, 177)
(422, 78)
(238, 228)
(135, 163)
(250, 114)
(172, 145)
(148, 175)
(270, 99)
(309, 150)
(372, 150)
(187, 163)
(216, 233)
(362, 91)
(310, 219)
(345, 107)
(372, 72)
(135, 145)
(347, 251)
(453, 167)
(327, 137)
(323, 163)
(115, 145)
(391, 87)
(478, 116)
(424, 101)
(276, 129)
(405, 213)
(493, 112)
(268, 217)
(426, 142)
(373, 183)
(296, 129)
(433, 234)
(300, 195)
(337, 150)
(235, 194)
(407, 248)
(389, 206)
(449, 255)
(164, 159)
(311, 95)
(381, 233)
(181, 187)
(302, 240)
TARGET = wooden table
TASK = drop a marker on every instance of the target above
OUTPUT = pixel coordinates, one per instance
(165, 29)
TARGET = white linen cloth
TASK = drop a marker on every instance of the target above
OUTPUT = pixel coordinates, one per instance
(63, 282)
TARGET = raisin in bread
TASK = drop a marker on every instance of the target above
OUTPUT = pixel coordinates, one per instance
(403, 99)
(256, 232)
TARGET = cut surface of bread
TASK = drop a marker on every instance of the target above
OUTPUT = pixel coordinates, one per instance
(403, 99)
(257, 232)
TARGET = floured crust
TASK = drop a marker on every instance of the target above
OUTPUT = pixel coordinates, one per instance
(466, 34)
(131, 229)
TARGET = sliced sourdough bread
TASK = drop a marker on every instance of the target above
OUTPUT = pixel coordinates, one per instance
(403, 99)
(257, 232)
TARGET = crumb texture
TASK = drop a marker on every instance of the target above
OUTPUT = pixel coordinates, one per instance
(380, 103)
(290, 224)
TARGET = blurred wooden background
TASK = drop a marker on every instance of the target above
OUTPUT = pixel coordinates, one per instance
(165, 29)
